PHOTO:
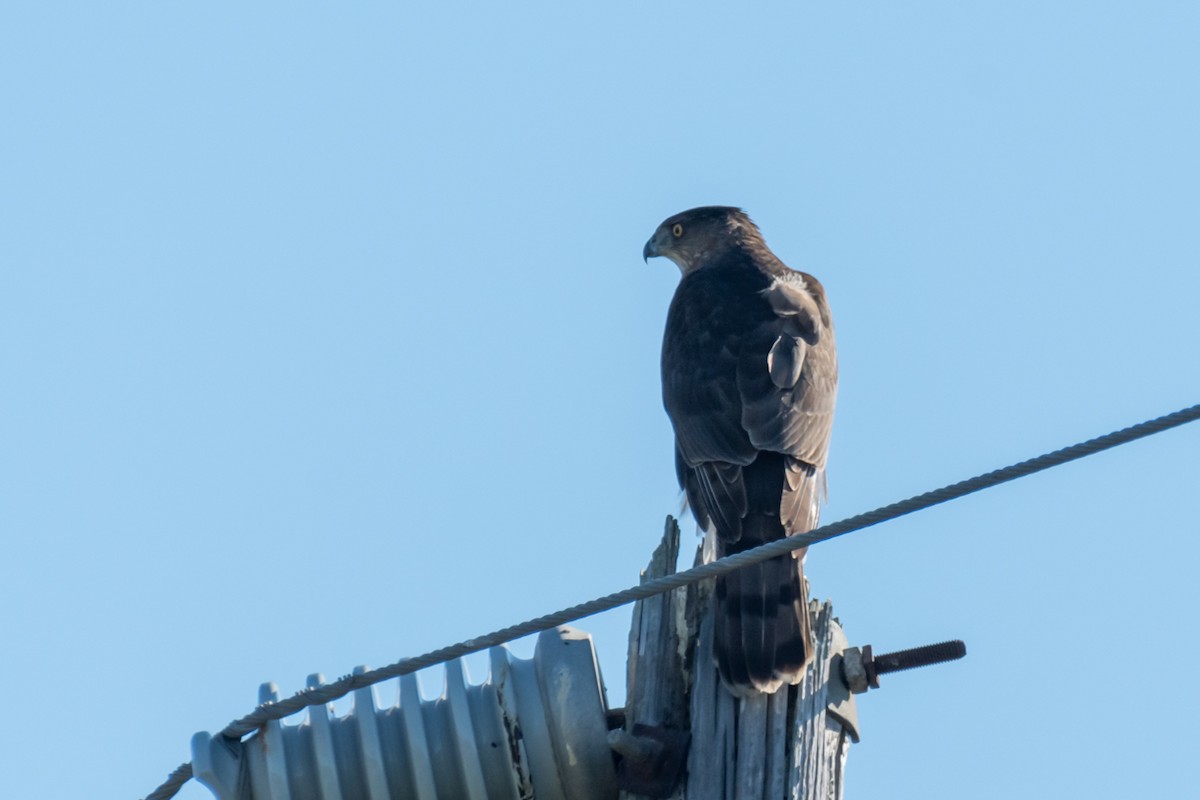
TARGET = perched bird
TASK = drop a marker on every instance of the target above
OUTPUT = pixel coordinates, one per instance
(749, 371)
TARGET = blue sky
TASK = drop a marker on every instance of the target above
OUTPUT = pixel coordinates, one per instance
(326, 340)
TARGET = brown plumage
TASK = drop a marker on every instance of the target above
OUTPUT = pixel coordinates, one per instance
(749, 370)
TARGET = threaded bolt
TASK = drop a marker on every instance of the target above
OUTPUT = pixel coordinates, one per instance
(861, 668)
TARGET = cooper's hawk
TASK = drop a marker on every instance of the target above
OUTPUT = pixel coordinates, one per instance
(749, 372)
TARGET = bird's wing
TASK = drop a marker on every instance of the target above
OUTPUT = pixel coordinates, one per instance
(701, 348)
(742, 376)
(787, 372)
(701, 351)
(787, 383)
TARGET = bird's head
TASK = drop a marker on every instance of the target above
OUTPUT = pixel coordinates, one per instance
(695, 237)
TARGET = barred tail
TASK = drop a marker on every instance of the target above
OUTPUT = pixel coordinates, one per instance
(762, 637)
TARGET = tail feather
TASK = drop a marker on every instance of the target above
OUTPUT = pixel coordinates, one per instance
(763, 637)
(757, 587)
(795, 649)
(727, 645)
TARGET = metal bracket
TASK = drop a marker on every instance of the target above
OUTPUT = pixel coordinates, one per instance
(840, 701)
(650, 758)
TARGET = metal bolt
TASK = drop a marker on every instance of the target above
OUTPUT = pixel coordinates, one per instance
(861, 668)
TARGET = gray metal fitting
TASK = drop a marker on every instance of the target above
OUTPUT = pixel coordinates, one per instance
(861, 668)
(535, 729)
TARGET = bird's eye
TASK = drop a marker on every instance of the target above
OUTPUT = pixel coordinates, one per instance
(677, 230)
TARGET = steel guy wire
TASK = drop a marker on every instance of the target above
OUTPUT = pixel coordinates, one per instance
(348, 683)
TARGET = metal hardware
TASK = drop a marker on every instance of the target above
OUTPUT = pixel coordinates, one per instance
(651, 758)
(861, 668)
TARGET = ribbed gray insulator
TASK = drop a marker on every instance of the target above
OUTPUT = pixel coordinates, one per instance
(535, 729)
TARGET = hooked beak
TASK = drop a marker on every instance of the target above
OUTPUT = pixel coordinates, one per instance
(649, 250)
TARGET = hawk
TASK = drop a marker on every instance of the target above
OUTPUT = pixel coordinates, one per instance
(749, 373)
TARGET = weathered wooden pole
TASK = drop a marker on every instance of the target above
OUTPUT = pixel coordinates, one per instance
(791, 744)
